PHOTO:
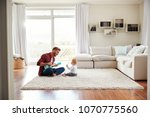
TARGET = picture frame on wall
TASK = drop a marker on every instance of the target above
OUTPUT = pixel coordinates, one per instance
(92, 27)
(132, 28)
(105, 24)
(119, 23)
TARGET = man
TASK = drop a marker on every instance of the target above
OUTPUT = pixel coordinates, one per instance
(49, 59)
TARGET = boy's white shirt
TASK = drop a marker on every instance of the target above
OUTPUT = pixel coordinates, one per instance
(72, 68)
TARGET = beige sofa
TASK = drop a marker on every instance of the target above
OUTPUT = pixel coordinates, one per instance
(84, 61)
(99, 57)
(133, 62)
(103, 57)
(134, 65)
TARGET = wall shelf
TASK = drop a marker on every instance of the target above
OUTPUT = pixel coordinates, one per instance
(132, 28)
(111, 28)
(110, 31)
(119, 23)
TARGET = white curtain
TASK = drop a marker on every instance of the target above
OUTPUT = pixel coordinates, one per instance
(82, 34)
(19, 31)
(146, 23)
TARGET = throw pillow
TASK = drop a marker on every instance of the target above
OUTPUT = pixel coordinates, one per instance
(120, 50)
(136, 50)
(146, 50)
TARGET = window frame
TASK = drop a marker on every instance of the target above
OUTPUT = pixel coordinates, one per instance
(51, 17)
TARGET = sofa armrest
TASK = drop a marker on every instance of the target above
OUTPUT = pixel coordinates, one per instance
(139, 59)
(140, 66)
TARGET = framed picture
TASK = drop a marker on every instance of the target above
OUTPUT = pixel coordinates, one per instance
(105, 24)
(132, 28)
(119, 23)
(92, 27)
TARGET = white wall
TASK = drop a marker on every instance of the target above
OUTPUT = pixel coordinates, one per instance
(130, 13)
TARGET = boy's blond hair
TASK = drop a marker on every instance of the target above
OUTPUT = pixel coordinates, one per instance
(74, 61)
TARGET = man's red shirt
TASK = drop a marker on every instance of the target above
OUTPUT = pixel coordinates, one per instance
(45, 58)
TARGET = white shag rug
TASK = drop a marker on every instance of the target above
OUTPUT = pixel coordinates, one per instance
(86, 79)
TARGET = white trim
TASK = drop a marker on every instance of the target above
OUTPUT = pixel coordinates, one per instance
(6, 64)
(63, 16)
(38, 17)
(10, 52)
(73, 2)
(50, 17)
(28, 5)
(148, 79)
(50, 8)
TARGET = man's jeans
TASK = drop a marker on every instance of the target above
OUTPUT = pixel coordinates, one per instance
(51, 71)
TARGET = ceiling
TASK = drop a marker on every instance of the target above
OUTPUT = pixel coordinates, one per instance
(79, 1)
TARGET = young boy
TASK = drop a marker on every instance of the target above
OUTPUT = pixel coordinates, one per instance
(72, 68)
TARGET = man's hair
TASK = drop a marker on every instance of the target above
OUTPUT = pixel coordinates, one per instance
(56, 48)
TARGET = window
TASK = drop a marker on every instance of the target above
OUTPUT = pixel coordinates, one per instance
(64, 12)
(64, 33)
(38, 13)
(47, 28)
(38, 38)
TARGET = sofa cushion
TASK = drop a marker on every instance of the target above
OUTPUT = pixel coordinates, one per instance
(84, 57)
(101, 50)
(120, 50)
(129, 47)
(103, 58)
(128, 63)
(123, 59)
(136, 50)
(146, 50)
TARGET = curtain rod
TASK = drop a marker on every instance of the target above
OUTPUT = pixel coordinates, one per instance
(18, 3)
(45, 5)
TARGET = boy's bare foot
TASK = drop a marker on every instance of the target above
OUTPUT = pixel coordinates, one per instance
(64, 75)
(54, 75)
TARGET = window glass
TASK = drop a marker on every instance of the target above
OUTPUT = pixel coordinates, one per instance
(40, 33)
(38, 38)
(38, 12)
(64, 12)
(64, 33)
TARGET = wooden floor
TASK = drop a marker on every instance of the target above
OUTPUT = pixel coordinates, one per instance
(23, 76)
